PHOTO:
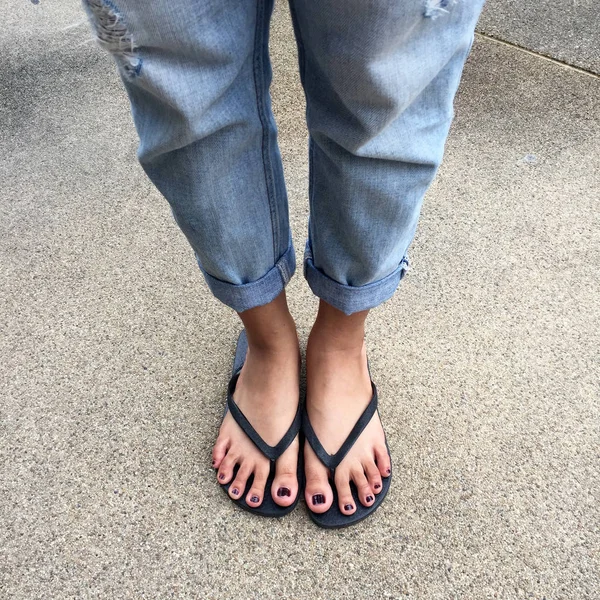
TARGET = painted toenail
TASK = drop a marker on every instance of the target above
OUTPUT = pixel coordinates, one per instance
(377, 486)
(369, 498)
(388, 471)
(235, 491)
(214, 462)
(318, 499)
(254, 499)
(348, 507)
(283, 491)
(221, 476)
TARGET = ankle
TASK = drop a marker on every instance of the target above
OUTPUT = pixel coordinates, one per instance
(339, 348)
(274, 348)
(270, 328)
(335, 331)
(326, 339)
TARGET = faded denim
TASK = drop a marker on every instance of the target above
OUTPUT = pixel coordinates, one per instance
(379, 77)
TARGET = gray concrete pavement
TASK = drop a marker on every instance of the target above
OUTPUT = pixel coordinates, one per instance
(566, 31)
(115, 357)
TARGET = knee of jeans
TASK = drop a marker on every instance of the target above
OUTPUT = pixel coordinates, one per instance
(113, 35)
(374, 124)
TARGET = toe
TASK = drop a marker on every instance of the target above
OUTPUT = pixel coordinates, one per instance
(255, 496)
(373, 475)
(219, 451)
(346, 502)
(238, 485)
(318, 493)
(225, 472)
(285, 484)
(384, 464)
(365, 493)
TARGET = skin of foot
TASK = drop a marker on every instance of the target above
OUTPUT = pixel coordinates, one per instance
(267, 393)
(338, 391)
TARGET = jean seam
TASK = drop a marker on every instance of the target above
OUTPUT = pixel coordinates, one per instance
(283, 271)
(258, 64)
(302, 68)
(299, 42)
(311, 186)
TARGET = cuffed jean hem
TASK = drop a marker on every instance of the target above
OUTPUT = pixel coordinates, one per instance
(245, 296)
(347, 298)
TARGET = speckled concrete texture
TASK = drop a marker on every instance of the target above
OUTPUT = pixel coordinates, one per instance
(566, 31)
(115, 357)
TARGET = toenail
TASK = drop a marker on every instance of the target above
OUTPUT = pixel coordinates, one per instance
(283, 491)
(348, 507)
(388, 471)
(377, 486)
(254, 499)
(221, 476)
(235, 491)
(369, 498)
(318, 499)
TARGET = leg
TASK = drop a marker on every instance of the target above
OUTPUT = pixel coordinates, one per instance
(267, 393)
(198, 75)
(338, 390)
(380, 79)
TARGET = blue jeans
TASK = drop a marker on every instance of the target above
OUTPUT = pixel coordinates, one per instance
(379, 77)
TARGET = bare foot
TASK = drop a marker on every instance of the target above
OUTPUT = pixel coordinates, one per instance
(338, 391)
(267, 393)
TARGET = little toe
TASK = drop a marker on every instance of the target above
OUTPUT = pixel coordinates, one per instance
(285, 484)
(384, 464)
(225, 472)
(317, 493)
(219, 451)
(373, 475)
(365, 493)
(238, 486)
(255, 496)
(345, 500)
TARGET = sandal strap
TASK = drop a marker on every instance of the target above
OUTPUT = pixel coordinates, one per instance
(271, 452)
(331, 461)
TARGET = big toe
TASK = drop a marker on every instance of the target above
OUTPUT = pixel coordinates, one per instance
(284, 489)
(318, 493)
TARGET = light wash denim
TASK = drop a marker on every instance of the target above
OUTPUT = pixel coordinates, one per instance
(380, 78)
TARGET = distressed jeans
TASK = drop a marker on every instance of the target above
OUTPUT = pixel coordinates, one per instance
(379, 78)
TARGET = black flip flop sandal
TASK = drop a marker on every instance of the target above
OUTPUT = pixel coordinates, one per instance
(268, 507)
(334, 518)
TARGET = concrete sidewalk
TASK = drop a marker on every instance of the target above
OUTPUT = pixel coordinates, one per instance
(115, 357)
(565, 31)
